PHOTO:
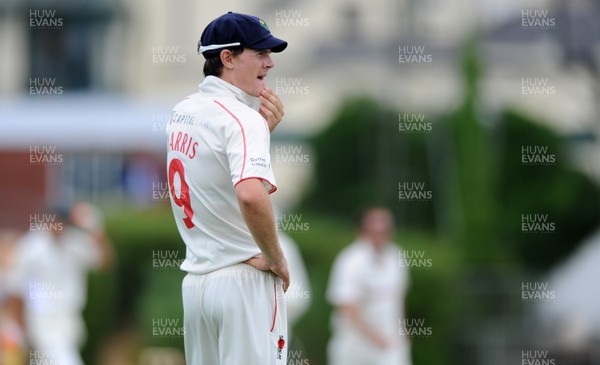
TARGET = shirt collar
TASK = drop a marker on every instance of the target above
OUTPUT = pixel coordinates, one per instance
(213, 85)
(364, 242)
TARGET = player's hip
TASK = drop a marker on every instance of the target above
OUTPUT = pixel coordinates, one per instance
(230, 285)
(234, 291)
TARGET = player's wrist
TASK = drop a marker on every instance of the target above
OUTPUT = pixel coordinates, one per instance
(277, 265)
(276, 258)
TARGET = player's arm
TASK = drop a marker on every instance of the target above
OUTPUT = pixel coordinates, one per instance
(90, 219)
(105, 247)
(352, 312)
(257, 211)
(345, 292)
(271, 108)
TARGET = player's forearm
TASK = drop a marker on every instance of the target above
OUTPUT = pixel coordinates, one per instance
(353, 314)
(257, 211)
(106, 249)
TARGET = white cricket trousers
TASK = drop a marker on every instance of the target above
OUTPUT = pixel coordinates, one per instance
(55, 338)
(352, 348)
(234, 316)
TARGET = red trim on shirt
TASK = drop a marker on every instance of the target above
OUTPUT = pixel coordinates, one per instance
(243, 136)
(275, 313)
(273, 187)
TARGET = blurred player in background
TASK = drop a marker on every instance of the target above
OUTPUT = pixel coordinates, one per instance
(220, 178)
(298, 297)
(367, 289)
(49, 274)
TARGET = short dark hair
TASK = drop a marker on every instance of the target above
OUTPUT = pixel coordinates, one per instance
(214, 67)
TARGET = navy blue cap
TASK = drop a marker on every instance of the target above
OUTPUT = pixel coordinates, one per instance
(237, 30)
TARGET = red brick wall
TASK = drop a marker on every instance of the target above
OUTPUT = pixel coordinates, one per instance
(22, 189)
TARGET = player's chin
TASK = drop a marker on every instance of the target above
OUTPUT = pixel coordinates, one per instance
(260, 86)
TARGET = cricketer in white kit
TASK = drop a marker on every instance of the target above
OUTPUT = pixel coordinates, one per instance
(220, 177)
(367, 288)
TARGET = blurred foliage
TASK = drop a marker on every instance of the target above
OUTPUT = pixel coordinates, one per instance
(569, 198)
(361, 159)
(100, 313)
(473, 183)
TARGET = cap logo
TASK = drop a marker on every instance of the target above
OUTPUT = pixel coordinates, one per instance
(263, 24)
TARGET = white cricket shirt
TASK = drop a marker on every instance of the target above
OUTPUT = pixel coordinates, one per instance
(216, 139)
(50, 273)
(374, 282)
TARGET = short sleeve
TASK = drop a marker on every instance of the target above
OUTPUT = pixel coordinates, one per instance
(247, 147)
(16, 276)
(22, 262)
(344, 283)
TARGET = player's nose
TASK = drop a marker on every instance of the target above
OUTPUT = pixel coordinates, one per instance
(269, 62)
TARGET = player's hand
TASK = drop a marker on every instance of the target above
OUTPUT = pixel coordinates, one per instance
(279, 269)
(380, 341)
(271, 108)
(87, 217)
(282, 271)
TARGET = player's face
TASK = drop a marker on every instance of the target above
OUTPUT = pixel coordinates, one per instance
(250, 70)
(378, 226)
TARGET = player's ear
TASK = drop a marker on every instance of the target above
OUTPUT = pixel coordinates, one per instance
(226, 59)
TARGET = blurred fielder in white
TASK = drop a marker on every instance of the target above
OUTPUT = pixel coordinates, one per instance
(367, 288)
(50, 276)
(298, 296)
